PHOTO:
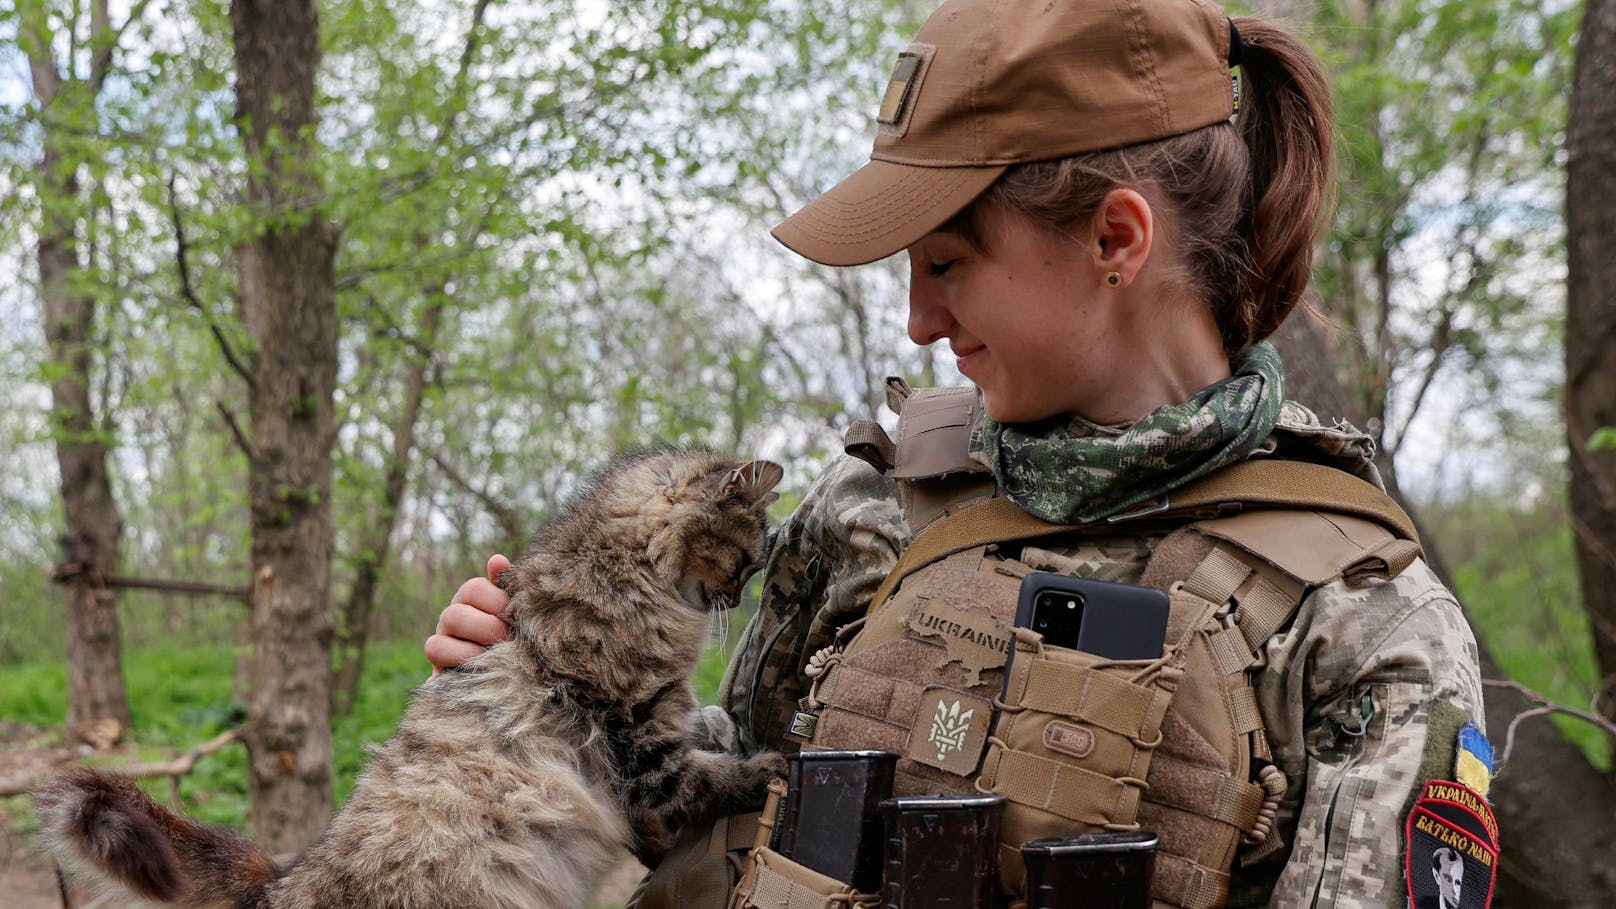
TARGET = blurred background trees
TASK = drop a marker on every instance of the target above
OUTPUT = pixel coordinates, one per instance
(547, 234)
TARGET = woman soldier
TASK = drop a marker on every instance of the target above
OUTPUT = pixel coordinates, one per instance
(1104, 226)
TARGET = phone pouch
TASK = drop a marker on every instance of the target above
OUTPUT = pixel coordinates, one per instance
(1072, 743)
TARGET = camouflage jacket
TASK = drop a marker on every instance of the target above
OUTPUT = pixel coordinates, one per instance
(1350, 691)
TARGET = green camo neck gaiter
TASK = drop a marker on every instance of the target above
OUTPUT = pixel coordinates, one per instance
(1067, 470)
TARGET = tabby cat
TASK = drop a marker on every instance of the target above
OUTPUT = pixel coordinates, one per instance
(515, 780)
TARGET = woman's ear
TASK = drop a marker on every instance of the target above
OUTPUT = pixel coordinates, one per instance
(1124, 231)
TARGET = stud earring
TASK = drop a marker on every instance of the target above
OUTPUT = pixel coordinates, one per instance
(1114, 279)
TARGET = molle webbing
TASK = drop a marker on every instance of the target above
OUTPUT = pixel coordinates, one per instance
(1246, 486)
(1201, 799)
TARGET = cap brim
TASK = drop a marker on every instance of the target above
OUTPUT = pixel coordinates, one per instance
(881, 208)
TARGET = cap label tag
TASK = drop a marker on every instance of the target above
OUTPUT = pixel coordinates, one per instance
(896, 99)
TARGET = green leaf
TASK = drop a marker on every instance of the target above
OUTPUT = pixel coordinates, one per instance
(1603, 439)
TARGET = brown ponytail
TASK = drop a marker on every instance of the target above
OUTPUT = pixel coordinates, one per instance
(1246, 199)
(1288, 123)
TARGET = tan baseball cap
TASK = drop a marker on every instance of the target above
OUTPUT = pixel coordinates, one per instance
(992, 83)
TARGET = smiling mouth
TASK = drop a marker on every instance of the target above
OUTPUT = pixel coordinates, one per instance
(966, 356)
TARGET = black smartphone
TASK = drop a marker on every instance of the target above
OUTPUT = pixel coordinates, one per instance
(1115, 621)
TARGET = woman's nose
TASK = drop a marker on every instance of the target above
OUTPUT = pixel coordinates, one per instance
(928, 319)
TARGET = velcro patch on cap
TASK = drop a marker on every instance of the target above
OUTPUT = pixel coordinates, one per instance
(1452, 856)
(950, 730)
(898, 88)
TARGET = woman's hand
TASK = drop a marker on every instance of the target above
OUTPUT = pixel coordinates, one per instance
(471, 623)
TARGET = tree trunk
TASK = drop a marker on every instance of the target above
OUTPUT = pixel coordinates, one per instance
(95, 688)
(286, 274)
(1556, 812)
(1590, 389)
(90, 540)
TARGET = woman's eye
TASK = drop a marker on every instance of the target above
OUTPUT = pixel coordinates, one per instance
(937, 269)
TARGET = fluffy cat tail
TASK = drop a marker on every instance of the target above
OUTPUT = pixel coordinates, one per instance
(107, 822)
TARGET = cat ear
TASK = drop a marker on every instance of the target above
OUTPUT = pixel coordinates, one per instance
(755, 480)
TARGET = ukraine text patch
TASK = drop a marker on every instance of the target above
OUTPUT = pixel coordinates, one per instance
(1452, 856)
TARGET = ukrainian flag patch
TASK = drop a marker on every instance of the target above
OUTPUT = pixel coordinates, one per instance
(1474, 764)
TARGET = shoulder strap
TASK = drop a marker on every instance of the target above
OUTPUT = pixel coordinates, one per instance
(1260, 484)
(931, 458)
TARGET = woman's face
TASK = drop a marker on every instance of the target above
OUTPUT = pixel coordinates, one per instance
(1029, 316)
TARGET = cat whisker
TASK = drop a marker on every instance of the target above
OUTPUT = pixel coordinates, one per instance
(721, 618)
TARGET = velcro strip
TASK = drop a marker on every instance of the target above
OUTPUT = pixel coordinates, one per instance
(871, 695)
(1263, 609)
(1217, 577)
(1091, 696)
(1071, 792)
(1204, 792)
(1181, 882)
(1243, 704)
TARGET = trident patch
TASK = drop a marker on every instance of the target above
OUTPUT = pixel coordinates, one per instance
(950, 731)
(896, 99)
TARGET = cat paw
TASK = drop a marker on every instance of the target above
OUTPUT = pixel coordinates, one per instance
(767, 764)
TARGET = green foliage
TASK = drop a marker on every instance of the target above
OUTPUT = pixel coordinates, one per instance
(1443, 258)
(1603, 439)
(1515, 570)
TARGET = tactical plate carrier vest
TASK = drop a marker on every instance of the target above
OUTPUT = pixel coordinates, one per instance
(1074, 742)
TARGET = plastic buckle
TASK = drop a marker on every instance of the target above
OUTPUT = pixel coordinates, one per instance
(1145, 511)
(1357, 723)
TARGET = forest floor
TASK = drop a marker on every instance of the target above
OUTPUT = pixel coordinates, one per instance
(27, 877)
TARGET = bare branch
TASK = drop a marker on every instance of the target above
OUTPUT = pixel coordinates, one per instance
(235, 430)
(1546, 707)
(106, 39)
(509, 520)
(66, 571)
(188, 290)
(466, 54)
(23, 783)
(1441, 340)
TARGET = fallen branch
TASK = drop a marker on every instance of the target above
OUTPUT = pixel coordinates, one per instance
(23, 783)
(1545, 707)
(66, 572)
